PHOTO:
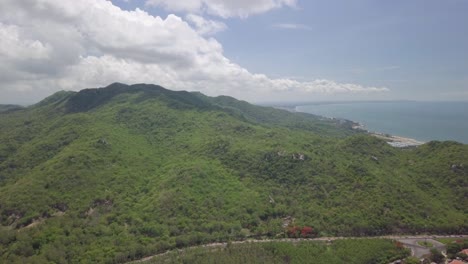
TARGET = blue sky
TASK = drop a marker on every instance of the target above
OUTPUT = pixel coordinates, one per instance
(418, 48)
(377, 50)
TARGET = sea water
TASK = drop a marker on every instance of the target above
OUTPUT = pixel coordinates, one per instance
(424, 121)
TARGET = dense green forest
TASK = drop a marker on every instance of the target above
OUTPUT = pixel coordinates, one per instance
(118, 173)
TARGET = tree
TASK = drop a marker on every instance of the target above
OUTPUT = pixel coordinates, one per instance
(455, 247)
(294, 231)
(412, 260)
(436, 256)
(307, 231)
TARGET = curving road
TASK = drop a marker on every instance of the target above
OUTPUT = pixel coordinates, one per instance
(410, 242)
(418, 250)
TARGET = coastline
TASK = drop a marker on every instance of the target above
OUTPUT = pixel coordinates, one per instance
(392, 140)
(419, 120)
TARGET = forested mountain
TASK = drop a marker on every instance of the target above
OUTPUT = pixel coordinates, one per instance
(117, 173)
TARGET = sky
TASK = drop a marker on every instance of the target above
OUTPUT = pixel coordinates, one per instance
(255, 50)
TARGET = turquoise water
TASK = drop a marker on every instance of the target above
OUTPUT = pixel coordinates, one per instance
(424, 121)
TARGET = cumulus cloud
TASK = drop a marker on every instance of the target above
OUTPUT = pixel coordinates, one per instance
(13, 45)
(223, 8)
(50, 45)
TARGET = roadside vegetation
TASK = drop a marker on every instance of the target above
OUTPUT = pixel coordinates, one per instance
(455, 247)
(371, 251)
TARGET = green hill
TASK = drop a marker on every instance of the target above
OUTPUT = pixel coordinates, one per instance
(117, 173)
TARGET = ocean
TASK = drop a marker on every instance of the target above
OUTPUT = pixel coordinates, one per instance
(423, 121)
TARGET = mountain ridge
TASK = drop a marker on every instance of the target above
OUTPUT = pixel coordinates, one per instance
(80, 102)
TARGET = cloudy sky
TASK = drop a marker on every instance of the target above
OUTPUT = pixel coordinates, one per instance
(257, 50)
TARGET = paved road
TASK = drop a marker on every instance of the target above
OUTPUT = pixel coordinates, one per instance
(408, 241)
(419, 251)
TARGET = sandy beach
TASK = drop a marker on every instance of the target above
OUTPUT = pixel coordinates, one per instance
(396, 141)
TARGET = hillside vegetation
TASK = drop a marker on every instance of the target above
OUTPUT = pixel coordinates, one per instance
(113, 174)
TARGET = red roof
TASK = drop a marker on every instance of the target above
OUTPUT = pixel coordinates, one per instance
(465, 251)
(457, 262)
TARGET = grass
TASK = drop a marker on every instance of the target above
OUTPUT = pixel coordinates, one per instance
(425, 244)
(447, 240)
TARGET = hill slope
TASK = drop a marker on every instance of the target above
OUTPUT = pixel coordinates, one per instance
(9, 108)
(112, 174)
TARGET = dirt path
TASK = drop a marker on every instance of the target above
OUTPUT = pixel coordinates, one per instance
(409, 241)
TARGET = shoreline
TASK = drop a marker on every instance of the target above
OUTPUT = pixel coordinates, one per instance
(392, 140)
(397, 141)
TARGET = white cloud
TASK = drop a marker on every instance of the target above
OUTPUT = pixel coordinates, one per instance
(292, 26)
(13, 45)
(204, 26)
(50, 45)
(223, 8)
